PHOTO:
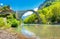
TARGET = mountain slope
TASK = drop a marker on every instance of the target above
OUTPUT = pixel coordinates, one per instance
(48, 15)
(47, 3)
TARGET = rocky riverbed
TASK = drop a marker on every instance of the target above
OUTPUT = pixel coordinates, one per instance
(8, 34)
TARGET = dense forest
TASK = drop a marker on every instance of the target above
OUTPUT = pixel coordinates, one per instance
(49, 13)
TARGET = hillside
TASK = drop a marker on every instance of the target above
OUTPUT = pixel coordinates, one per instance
(48, 14)
(47, 3)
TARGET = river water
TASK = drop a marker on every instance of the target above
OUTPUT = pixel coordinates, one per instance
(42, 31)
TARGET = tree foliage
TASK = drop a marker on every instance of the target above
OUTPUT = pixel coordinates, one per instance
(10, 18)
(30, 19)
(5, 8)
(48, 15)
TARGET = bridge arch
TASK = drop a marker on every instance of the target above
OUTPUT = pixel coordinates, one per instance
(19, 14)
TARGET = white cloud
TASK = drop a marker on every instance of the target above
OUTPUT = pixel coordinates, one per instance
(35, 9)
(28, 13)
(10, 8)
(1, 3)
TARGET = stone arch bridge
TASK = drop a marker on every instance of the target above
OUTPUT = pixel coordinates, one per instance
(19, 14)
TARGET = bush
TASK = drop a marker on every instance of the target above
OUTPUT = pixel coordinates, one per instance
(13, 22)
(14, 25)
(2, 23)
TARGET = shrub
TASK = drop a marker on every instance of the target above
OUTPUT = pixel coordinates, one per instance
(14, 25)
(2, 23)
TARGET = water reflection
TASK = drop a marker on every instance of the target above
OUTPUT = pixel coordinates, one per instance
(26, 32)
(43, 31)
(40, 31)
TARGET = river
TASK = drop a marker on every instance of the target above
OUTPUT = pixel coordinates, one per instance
(40, 30)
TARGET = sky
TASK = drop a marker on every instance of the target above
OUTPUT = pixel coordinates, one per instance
(22, 4)
(27, 14)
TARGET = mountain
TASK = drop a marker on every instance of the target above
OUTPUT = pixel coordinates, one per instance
(47, 3)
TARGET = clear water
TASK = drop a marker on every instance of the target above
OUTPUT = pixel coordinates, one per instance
(43, 31)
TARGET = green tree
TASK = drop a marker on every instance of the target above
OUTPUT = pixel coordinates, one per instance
(6, 8)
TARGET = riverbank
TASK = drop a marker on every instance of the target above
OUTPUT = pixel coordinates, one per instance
(11, 34)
